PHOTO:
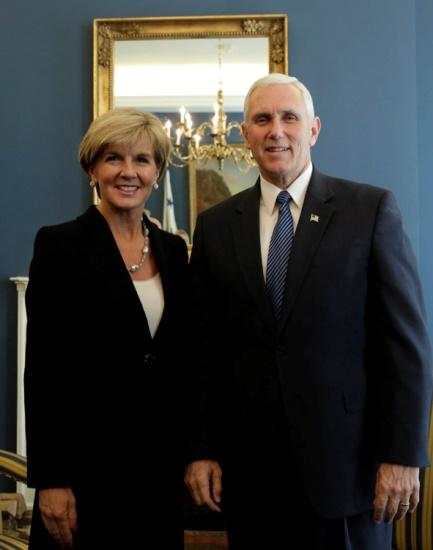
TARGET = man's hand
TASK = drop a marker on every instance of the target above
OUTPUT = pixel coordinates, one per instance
(59, 514)
(203, 479)
(397, 492)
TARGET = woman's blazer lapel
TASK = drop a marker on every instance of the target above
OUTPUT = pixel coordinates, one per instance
(107, 266)
(161, 249)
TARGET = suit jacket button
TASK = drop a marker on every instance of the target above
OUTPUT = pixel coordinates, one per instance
(149, 360)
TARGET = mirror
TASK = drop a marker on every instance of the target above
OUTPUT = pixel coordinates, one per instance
(157, 76)
(140, 46)
(160, 64)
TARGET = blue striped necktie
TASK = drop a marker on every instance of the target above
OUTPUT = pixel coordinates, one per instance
(279, 253)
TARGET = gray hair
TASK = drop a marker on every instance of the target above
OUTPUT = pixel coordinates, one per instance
(283, 80)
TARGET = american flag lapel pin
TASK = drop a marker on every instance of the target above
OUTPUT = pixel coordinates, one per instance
(314, 218)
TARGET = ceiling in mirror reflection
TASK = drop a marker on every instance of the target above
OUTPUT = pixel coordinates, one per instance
(161, 75)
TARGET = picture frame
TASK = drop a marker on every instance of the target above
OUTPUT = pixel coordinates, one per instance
(107, 32)
(208, 185)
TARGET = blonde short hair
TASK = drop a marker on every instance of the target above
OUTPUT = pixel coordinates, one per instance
(283, 80)
(124, 126)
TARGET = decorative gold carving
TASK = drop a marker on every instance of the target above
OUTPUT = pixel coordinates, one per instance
(253, 26)
(104, 47)
(107, 31)
(277, 55)
(277, 39)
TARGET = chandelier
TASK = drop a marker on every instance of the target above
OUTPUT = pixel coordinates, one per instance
(209, 140)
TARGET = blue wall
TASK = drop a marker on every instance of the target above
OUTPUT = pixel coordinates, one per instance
(367, 64)
(424, 67)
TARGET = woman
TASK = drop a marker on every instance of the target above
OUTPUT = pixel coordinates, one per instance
(107, 311)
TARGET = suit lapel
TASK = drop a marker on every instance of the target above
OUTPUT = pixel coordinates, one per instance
(316, 213)
(162, 255)
(101, 252)
(246, 237)
(156, 238)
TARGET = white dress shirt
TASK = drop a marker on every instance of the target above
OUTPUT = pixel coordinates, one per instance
(269, 210)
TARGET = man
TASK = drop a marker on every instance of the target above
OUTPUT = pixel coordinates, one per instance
(315, 372)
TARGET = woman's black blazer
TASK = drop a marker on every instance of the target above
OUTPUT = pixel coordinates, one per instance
(96, 384)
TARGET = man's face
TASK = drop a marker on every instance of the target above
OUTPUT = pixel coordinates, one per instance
(280, 132)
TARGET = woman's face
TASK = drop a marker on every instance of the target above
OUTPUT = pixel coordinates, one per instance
(125, 174)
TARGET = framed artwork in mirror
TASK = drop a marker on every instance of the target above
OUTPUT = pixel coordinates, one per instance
(208, 185)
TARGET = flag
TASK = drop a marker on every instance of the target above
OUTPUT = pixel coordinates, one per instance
(168, 217)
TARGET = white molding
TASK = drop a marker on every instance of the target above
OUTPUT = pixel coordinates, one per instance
(21, 286)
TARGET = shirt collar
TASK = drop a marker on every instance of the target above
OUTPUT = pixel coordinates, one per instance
(297, 190)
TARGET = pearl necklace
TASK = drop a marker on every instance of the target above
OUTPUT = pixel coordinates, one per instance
(133, 268)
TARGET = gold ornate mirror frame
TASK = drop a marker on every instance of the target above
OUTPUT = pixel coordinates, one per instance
(107, 31)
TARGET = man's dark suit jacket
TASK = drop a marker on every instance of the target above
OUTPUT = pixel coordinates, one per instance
(349, 361)
(97, 386)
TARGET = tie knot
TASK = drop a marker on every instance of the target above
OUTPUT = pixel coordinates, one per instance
(283, 198)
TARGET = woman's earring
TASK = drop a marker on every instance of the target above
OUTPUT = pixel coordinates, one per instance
(155, 185)
(92, 184)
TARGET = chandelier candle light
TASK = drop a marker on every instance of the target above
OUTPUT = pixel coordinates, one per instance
(188, 145)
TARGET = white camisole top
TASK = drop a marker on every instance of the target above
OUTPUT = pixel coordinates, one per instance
(152, 299)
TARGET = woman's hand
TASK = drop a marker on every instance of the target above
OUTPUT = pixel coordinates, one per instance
(203, 479)
(59, 514)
